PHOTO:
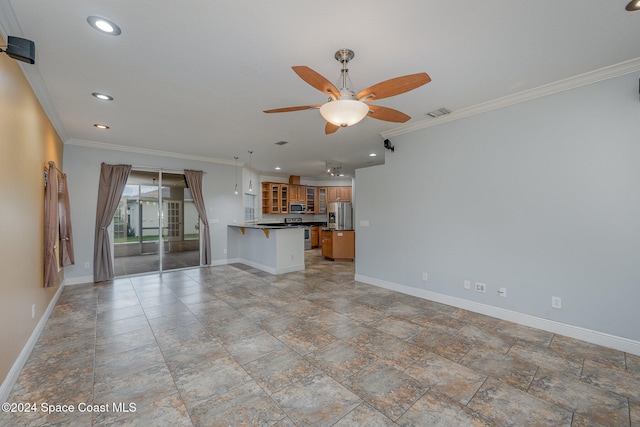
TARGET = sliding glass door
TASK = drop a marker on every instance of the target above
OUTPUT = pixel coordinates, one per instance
(153, 228)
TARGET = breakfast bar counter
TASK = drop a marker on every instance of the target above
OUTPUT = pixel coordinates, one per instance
(274, 249)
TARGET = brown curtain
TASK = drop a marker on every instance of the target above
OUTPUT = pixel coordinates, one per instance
(113, 179)
(66, 235)
(194, 182)
(51, 228)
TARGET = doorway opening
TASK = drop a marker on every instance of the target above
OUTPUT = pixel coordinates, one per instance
(156, 227)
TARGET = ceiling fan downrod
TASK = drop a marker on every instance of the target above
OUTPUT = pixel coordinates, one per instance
(344, 56)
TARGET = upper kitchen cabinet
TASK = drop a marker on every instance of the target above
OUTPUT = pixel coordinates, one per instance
(293, 193)
(338, 194)
(322, 200)
(275, 198)
(311, 200)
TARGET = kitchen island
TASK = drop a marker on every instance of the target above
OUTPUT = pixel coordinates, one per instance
(274, 249)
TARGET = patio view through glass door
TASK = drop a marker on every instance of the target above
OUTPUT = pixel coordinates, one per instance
(156, 225)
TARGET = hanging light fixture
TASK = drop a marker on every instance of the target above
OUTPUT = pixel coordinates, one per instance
(250, 181)
(236, 159)
(334, 170)
(346, 110)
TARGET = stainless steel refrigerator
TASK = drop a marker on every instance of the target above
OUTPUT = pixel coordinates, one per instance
(339, 216)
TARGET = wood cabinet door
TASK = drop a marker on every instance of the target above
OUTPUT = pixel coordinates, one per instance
(322, 200)
(274, 198)
(302, 194)
(292, 195)
(344, 194)
(332, 194)
(311, 200)
(284, 198)
(327, 244)
(343, 244)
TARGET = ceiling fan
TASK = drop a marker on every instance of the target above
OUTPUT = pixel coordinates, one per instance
(345, 107)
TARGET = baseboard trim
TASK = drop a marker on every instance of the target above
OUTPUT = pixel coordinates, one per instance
(80, 280)
(588, 335)
(268, 269)
(14, 372)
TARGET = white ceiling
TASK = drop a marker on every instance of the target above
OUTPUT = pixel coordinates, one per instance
(193, 77)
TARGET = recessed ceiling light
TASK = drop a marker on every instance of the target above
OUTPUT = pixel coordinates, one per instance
(277, 168)
(104, 25)
(101, 126)
(102, 96)
(372, 154)
(633, 5)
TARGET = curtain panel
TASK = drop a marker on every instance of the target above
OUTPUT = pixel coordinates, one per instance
(113, 179)
(64, 213)
(51, 278)
(194, 182)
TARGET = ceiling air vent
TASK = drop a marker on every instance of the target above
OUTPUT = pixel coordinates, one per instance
(439, 112)
(282, 142)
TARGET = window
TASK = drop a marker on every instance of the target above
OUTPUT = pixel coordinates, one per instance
(249, 207)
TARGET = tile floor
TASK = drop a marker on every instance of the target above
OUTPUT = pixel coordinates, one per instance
(231, 345)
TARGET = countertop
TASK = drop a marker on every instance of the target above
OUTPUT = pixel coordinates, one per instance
(262, 226)
(295, 224)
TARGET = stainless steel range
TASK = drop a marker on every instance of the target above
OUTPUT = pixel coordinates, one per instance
(297, 222)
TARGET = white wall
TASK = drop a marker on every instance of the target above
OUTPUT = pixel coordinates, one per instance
(542, 198)
(82, 166)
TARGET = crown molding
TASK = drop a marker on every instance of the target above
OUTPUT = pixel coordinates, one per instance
(149, 152)
(591, 77)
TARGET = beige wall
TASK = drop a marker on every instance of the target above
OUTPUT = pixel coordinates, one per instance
(27, 142)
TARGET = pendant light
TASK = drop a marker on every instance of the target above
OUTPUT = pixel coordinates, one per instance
(236, 159)
(250, 182)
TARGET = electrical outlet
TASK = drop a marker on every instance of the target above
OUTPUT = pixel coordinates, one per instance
(33, 311)
(225, 250)
(556, 302)
(425, 277)
(481, 287)
(86, 265)
(502, 292)
(467, 284)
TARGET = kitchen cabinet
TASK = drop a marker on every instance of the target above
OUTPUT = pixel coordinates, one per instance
(284, 199)
(315, 236)
(293, 193)
(322, 200)
(302, 193)
(274, 198)
(344, 194)
(311, 200)
(339, 194)
(338, 245)
(297, 193)
(266, 198)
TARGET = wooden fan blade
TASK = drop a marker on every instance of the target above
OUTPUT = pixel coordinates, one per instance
(317, 81)
(394, 86)
(330, 128)
(288, 109)
(387, 114)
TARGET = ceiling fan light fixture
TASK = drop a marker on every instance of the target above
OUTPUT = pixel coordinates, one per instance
(633, 5)
(344, 112)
